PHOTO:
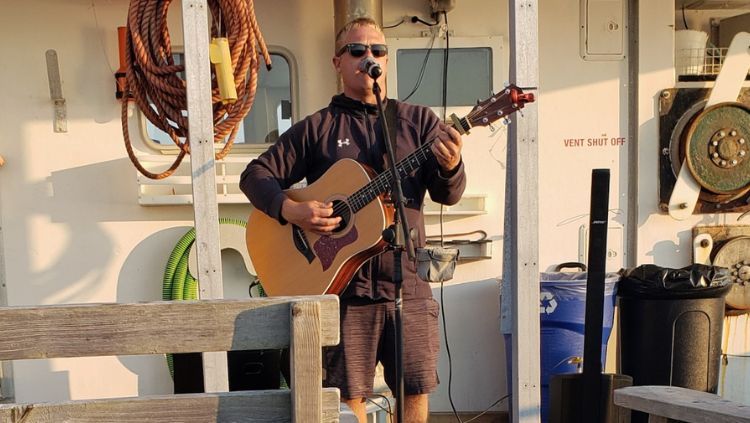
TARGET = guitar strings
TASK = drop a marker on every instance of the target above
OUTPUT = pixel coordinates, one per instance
(382, 182)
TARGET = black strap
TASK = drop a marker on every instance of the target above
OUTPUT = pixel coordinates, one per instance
(390, 120)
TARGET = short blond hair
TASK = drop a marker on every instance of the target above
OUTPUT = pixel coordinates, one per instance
(362, 21)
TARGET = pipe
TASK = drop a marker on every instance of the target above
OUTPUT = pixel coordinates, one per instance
(347, 10)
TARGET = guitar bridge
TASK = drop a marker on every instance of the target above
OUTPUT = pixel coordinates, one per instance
(300, 242)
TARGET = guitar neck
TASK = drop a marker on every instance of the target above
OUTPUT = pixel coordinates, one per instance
(498, 106)
(383, 182)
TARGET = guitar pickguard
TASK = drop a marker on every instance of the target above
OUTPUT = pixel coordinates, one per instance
(327, 247)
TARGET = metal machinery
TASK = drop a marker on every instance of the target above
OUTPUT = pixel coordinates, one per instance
(714, 142)
(704, 164)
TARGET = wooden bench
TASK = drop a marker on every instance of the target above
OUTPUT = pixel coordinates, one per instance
(671, 402)
(304, 324)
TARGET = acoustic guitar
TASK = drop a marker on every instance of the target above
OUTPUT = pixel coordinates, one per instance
(291, 261)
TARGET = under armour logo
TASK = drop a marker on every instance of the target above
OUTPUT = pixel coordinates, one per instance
(343, 142)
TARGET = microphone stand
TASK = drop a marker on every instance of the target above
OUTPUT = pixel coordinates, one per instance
(393, 236)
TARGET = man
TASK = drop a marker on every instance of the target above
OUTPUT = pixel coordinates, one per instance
(350, 128)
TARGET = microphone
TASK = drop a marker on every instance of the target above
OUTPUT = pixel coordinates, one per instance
(371, 67)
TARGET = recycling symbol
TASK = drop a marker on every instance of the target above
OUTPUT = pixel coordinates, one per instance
(547, 302)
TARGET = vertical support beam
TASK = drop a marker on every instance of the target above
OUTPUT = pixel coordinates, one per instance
(305, 352)
(523, 181)
(631, 251)
(200, 125)
(7, 389)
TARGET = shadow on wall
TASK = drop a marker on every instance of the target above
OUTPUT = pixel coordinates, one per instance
(107, 192)
(669, 254)
(141, 279)
(82, 198)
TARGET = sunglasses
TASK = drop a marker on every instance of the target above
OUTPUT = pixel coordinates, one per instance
(359, 49)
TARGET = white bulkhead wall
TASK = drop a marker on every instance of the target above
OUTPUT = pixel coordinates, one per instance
(73, 232)
(582, 126)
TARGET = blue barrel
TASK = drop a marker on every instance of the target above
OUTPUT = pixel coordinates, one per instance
(562, 309)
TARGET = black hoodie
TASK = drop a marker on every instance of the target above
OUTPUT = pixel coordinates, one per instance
(351, 129)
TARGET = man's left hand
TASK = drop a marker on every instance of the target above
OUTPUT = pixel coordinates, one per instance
(447, 148)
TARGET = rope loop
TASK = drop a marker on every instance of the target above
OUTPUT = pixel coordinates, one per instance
(154, 80)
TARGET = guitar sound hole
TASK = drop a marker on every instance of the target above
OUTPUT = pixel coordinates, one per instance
(341, 209)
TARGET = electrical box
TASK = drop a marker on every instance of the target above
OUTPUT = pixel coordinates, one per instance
(602, 29)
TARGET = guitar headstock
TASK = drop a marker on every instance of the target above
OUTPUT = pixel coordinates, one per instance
(499, 106)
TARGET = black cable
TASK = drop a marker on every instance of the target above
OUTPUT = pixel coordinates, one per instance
(684, 21)
(387, 401)
(415, 19)
(448, 351)
(395, 25)
(422, 70)
(450, 368)
(442, 303)
(487, 409)
(445, 67)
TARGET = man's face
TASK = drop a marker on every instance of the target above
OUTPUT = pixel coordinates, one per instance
(358, 85)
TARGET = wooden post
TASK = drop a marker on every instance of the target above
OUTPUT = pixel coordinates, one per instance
(200, 125)
(521, 228)
(306, 357)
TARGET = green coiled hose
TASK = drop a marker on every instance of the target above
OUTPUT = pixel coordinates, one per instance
(178, 283)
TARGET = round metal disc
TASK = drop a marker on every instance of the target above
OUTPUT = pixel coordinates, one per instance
(735, 255)
(717, 148)
(677, 154)
(734, 252)
(677, 139)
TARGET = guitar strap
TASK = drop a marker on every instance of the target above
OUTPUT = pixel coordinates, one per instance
(390, 120)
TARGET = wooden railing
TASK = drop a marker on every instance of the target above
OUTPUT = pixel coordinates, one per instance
(304, 324)
(671, 402)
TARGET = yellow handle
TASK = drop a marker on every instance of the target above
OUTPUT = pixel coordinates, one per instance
(221, 58)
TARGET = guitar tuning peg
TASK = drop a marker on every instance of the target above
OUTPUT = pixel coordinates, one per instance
(506, 84)
(492, 127)
(506, 120)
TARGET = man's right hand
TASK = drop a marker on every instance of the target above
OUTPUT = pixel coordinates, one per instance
(312, 216)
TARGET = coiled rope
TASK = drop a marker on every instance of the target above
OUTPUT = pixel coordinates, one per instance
(154, 83)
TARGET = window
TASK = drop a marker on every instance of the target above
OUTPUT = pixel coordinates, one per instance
(475, 70)
(469, 75)
(271, 113)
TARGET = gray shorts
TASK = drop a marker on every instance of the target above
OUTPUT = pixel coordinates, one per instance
(367, 336)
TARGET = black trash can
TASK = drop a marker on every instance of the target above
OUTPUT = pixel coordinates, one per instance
(671, 325)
